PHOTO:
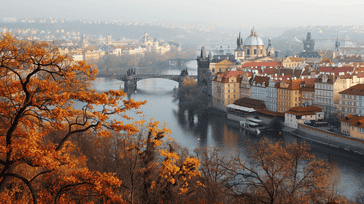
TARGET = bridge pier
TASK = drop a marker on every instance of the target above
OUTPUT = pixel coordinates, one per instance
(130, 82)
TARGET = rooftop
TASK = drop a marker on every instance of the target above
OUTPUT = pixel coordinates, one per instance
(309, 110)
(357, 121)
(354, 90)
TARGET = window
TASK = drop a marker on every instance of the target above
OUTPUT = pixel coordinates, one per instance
(248, 51)
(255, 51)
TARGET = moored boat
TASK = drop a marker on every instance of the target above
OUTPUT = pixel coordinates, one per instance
(253, 125)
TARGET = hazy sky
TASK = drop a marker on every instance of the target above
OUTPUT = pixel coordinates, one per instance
(245, 13)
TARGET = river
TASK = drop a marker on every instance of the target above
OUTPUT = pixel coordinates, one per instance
(215, 130)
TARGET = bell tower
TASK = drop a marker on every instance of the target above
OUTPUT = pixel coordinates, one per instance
(308, 44)
(239, 51)
(204, 73)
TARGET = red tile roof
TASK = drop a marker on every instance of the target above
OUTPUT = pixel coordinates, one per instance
(262, 64)
(354, 90)
(336, 70)
(260, 80)
(250, 103)
(357, 121)
(309, 110)
(227, 74)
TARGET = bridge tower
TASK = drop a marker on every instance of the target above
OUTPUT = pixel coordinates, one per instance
(203, 73)
(129, 79)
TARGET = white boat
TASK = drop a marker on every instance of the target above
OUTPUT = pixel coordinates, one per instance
(252, 125)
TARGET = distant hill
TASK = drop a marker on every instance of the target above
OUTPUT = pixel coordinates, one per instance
(117, 31)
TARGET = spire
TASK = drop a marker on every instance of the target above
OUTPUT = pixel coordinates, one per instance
(337, 44)
(253, 32)
(239, 42)
(203, 53)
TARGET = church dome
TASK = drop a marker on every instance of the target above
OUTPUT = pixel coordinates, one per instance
(145, 38)
(253, 39)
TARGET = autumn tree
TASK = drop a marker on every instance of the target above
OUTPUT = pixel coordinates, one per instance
(274, 173)
(216, 168)
(38, 91)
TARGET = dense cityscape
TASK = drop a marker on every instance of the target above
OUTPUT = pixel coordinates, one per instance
(68, 137)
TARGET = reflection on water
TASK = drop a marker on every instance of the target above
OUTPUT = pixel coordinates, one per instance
(212, 129)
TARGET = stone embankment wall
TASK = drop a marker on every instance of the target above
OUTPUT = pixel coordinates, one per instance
(329, 138)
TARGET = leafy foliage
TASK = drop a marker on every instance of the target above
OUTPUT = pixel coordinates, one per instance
(38, 90)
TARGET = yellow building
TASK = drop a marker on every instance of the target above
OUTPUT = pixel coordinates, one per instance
(93, 55)
(226, 88)
(288, 95)
(291, 62)
(221, 66)
(353, 125)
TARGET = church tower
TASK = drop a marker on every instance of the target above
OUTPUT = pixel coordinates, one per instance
(109, 40)
(239, 51)
(336, 52)
(270, 49)
(308, 44)
(204, 73)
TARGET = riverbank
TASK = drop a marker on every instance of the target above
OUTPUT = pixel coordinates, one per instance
(311, 133)
(329, 139)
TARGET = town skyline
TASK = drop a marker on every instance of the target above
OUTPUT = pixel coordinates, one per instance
(260, 14)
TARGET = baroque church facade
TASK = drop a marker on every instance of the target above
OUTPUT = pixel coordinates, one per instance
(252, 47)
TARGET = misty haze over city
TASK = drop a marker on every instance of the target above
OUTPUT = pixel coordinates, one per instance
(246, 102)
(259, 13)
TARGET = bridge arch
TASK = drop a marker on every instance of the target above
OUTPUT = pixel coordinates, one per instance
(132, 80)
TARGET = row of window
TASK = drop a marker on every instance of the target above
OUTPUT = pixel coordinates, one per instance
(323, 100)
(360, 130)
(351, 97)
(348, 110)
(323, 86)
(350, 103)
(307, 95)
(323, 93)
(254, 51)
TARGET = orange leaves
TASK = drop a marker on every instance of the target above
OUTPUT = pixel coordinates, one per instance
(81, 183)
(39, 90)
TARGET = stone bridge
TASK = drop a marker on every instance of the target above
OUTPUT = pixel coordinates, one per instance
(131, 79)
